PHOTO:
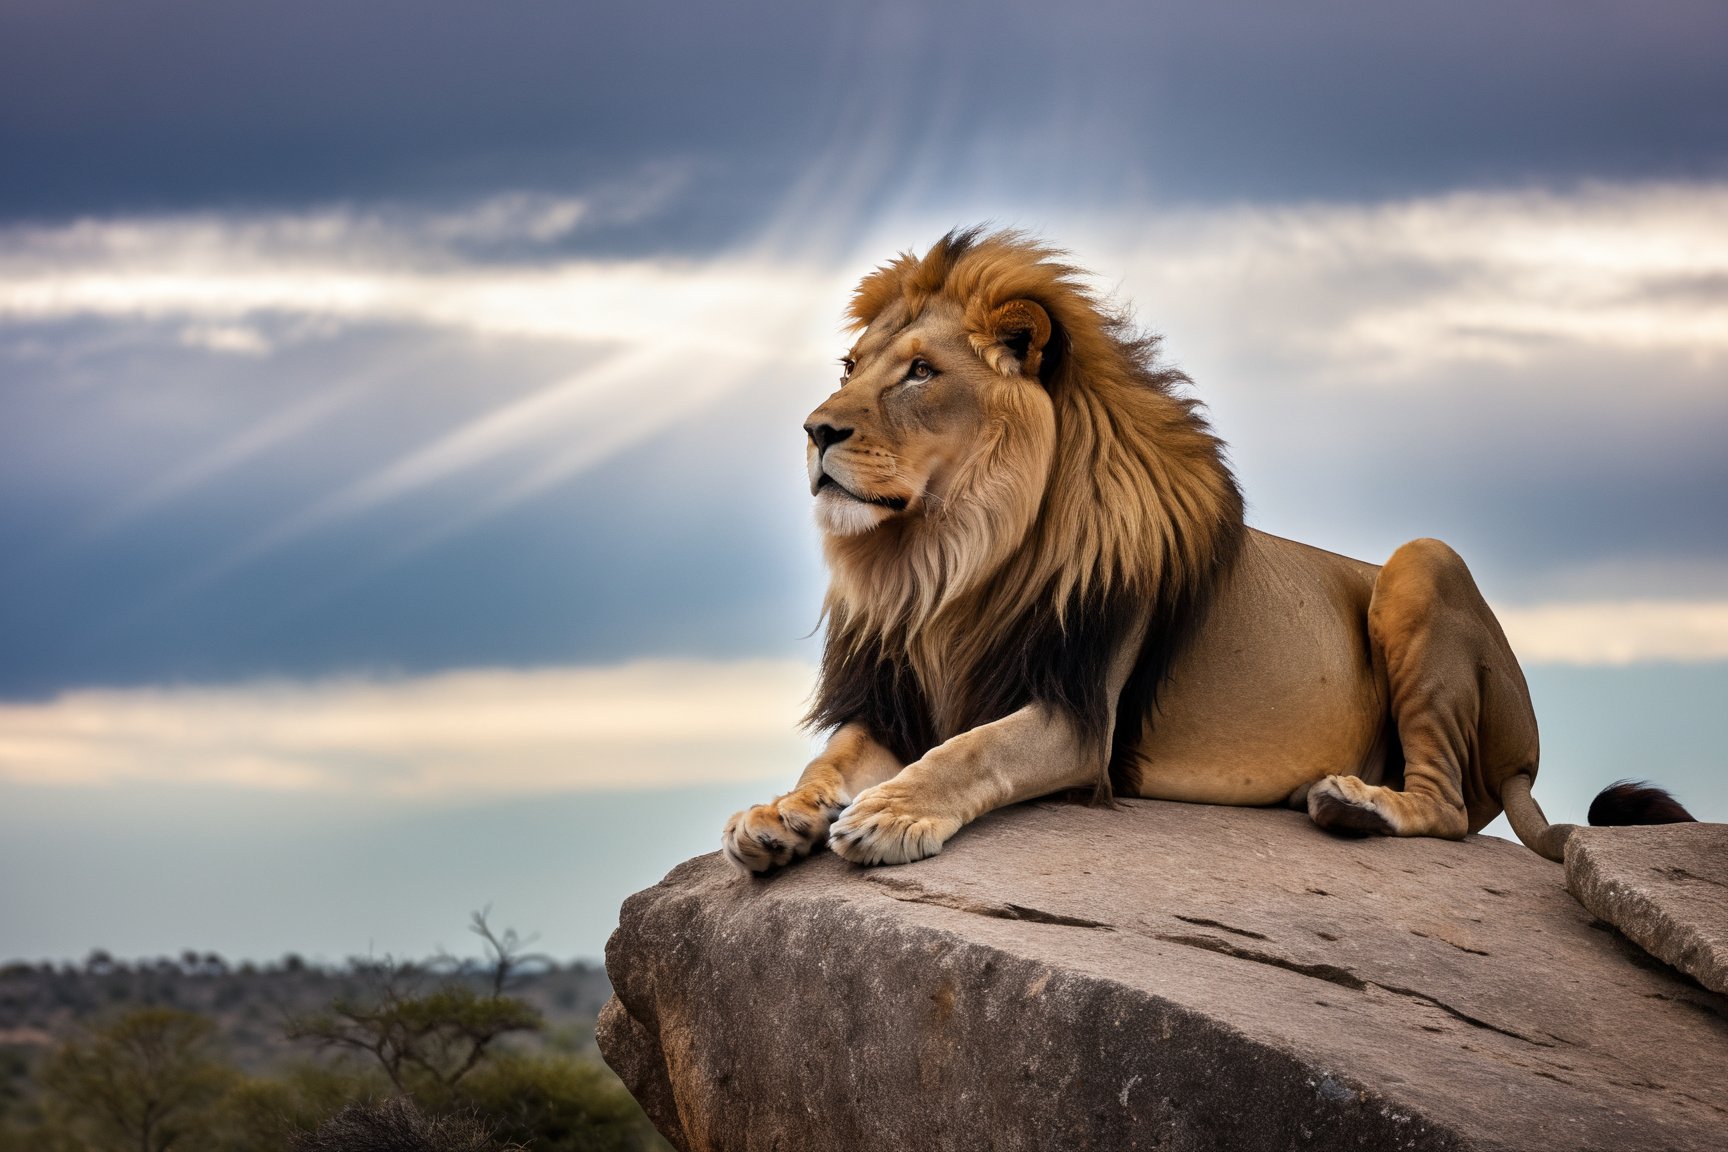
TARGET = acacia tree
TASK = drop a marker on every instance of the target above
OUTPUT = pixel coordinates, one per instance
(143, 1084)
(426, 1041)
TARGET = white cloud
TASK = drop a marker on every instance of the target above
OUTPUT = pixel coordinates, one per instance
(1618, 632)
(1386, 291)
(650, 724)
(236, 339)
(223, 275)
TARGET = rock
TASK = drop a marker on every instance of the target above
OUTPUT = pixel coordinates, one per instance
(1665, 886)
(1156, 976)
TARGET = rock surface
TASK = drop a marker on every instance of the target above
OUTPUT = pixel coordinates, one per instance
(1156, 976)
(1665, 886)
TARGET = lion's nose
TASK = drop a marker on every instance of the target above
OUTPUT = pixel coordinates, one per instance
(824, 436)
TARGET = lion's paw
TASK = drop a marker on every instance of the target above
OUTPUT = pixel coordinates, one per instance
(882, 827)
(1346, 804)
(778, 832)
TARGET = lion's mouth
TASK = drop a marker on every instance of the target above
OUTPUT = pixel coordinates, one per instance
(892, 503)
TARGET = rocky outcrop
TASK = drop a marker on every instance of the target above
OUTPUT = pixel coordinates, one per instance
(1157, 976)
(1665, 886)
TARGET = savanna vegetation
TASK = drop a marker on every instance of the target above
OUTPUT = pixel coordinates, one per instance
(195, 1055)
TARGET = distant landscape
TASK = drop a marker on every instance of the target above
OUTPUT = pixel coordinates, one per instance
(196, 1052)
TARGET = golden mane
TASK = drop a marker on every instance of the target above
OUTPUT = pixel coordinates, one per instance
(1013, 590)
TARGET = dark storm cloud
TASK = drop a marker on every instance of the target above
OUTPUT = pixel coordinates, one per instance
(131, 523)
(122, 107)
(116, 107)
(584, 581)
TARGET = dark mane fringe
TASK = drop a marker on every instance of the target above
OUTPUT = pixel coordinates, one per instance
(863, 683)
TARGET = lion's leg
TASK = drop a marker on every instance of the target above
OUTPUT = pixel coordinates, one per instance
(1029, 753)
(789, 826)
(1457, 696)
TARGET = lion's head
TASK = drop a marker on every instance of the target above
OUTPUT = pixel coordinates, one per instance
(1004, 476)
(934, 407)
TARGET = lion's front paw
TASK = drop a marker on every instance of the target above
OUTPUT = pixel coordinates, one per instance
(1345, 803)
(779, 831)
(882, 826)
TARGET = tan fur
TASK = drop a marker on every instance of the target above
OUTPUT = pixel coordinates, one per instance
(1046, 465)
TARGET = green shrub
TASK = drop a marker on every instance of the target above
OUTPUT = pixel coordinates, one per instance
(556, 1103)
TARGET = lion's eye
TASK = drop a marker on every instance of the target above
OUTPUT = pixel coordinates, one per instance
(846, 366)
(920, 370)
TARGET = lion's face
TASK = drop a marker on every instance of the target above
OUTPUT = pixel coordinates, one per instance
(929, 413)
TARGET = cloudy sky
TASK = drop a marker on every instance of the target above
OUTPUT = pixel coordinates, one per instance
(401, 499)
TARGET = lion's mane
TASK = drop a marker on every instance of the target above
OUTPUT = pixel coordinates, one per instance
(1022, 586)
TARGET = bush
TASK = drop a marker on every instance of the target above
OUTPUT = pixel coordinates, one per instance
(394, 1124)
(557, 1103)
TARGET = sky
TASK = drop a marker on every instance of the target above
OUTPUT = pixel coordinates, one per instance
(401, 483)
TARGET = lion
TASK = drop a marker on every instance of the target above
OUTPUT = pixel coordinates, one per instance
(1041, 582)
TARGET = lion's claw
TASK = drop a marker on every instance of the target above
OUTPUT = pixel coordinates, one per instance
(776, 833)
(881, 827)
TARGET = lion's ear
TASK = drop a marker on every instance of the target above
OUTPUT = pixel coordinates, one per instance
(1014, 338)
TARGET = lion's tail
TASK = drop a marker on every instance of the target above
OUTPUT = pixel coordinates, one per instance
(1527, 820)
(1621, 803)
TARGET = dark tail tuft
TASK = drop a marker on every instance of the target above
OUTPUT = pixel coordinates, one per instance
(1636, 802)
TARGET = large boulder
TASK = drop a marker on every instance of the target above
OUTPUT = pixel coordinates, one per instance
(1157, 976)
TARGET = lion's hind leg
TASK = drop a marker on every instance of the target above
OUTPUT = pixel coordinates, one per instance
(1458, 699)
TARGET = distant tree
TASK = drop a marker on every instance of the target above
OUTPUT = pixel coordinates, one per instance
(507, 956)
(145, 1083)
(426, 1041)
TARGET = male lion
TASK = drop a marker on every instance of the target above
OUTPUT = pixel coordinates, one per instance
(1041, 581)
